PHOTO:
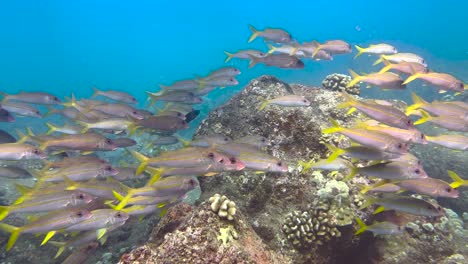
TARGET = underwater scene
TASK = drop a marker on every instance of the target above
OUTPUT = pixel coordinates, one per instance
(208, 132)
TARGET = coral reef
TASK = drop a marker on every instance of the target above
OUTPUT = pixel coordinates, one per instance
(224, 207)
(338, 82)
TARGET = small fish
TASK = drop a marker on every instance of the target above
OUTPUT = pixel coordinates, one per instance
(119, 110)
(102, 189)
(66, 129)
(223, 72)
(393, 170)
(404, 135)
(79, 172)
(254, 140)
(290, 49)
(448, 122)
(442, 108)
(386, 80)
(5, 137)
(405, 67)
(383, 187)
(333, 47)
(170, 113)
(21, 109)
(36, 205)
(429, 186)
(361, 152)
(168, 124)
(244, 54)
(442, 81)
(286, 100)
(100, 220)
(219, 81)
(19, 151)
(271, 34)
(165, 140)
(379, 228)
(309, 48)
(278, 60)
(80, 255)
(117, 124)
(83, 142)
(124, 142)
(207, 141)
(127, 173)
(404, 204)
(115, 95)
(334, 165)
(5, 116)
(378, 49)
(262, 162)
(50, 222)
(186, 85)
(388, 115)
(457, 142)
(14, 173)
(185, 97)
(73, 161)
(400, 57)
(33, 98)
(373, 139)
(174, 185)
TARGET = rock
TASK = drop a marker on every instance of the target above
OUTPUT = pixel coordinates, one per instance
(428, 227)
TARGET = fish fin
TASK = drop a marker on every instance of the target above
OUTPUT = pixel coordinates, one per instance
(335, 128)
(163, 212)
(425, 117)
(49, 235)
(355, 78)
(306, 165)
(353, 171)
(15, 232)
(124, 200)
(182, 140)
(142, 159)
(379, 60)
(364, 188)
(457, 180)
(253, 61)
(388, 66)
(412, 78)
(379, 210)
(84, 125)
(23, 189)
(61, 247)
(263, 103)
(71, 184)
(349, 101)
(229, 56)
(362, 226)
(96, 92)
(117, 195)
(417, 102)
(335, 152)
(456, 93)
(103, 240)
(132, 128)
(156, 174)
(71, 102)
(254, 34)
(360, 51)
(22, 137)
(317, 47)
(368, 201)
(3, 212)
(52, 128)
(271, 48)
(100, 233)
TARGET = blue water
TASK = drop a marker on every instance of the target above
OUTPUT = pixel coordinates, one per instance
(69, 46)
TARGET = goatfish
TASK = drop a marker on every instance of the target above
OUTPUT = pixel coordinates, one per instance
(115, 95)
(206, 141)
(32, 97)
(442, 81)
(218, 81)
(393, 170)
(438, 108)
(102, 189)
(185, 97)
(429, 186)
(332, 46)
(386, 114)
(379, 228)
(376, 49)
(244, 54)
(164, 124)
(457, 180)
(286, 100)
(457, 142)
(253, 140)
(66, 129)
(182, 85)
(385, 81)
(401, 57)
(334, 165)
(83, 142)
(72, 199)
(405, 67)
(223, 72)
(118, 124)
(79, 172)
(278, 60)
(21, 109)
(404, 135)
(181, 158)
(448, 122)
(124, 142)
(47, 223)
(14, 172)
(270, 34)
(404, 204)
(80, 255)
(361, 153)
(309, 48)
(373, 139)
(259, 161)
(382, 186)
(291, 49)
(19, 151)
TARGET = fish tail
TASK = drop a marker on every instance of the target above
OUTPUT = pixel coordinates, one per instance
(360, 51)
(132, 128)
(369, 201)
(335, 152)
(254, 34)
(253, 61)
(352, 172)
(457, 180)
(355, 78)
(386, 68)
(335, 128)
(182, 140)
(123, 200)
(71, 103)
(229, 56)
(362, 226)
(96, 92)
(48, 236)
(52, 128)
(142, 159)
(15, 232)
(271, 48)
(22, 137)
(364, 188)
(263, 103)
(306, 165)
(382, 57)
(418, 102)
(153, 97)
(425, 117)
(60, 245)
(163, 87)
(3, 212)
(155, 175)
(50, 111)
(412, 78)
(349, 101)
(317, 48)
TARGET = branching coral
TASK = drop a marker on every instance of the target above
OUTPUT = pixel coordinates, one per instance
(223, 206)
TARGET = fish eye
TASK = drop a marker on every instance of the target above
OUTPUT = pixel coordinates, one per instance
(108, 141)
(422, 136)
(233, 160)
(118, 215)
(192, 182)
(305, 101)
(36, 151)
(211, 155)
(134, 99)
(81, 196)
(37, 112)
(79, 214)
(134, 112)
(56, 98)
(108, 168)
(448, 189)
(263, 140)
(221, 161)
(279, 163)
(439, 208)
(400, 146)
(232, 80)
(409, 122)
(417, 171)
(226, 139)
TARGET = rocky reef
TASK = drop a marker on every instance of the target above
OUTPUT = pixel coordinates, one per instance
(293, 217)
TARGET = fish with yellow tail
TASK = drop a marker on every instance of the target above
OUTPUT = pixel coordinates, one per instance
(286, 100)
(400, 57)
(438, 108)
(405, 67)
(376, 49)
(443, 81)
(334, 165)
(448, 122)
(404, 204)
(457, 180)
(332, 46)
(244, 54)
(456, 142)
(385, 81)
(275, 35)
(379, 228)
